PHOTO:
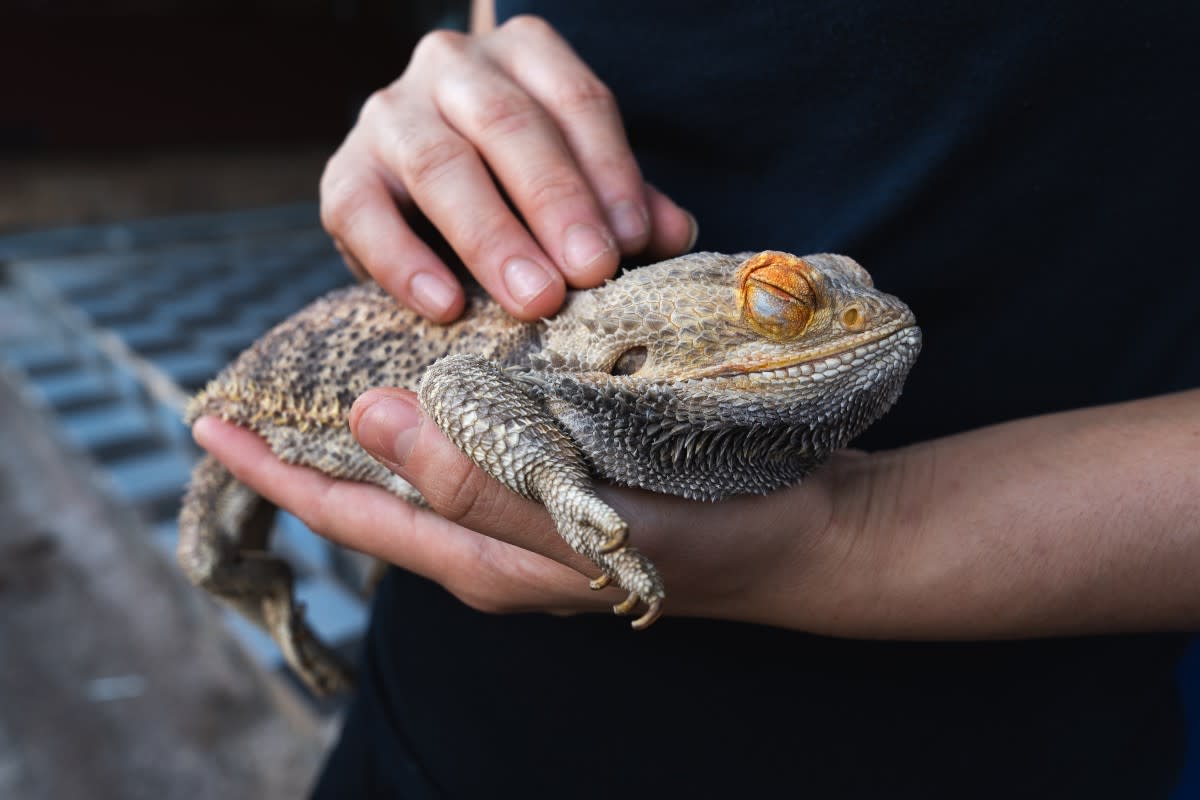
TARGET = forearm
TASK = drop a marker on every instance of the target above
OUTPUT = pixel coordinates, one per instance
(1073, 523)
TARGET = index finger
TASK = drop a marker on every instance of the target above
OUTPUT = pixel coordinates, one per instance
(359, 211)
(587, 115)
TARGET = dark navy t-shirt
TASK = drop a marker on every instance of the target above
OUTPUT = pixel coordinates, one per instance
(1024, 175)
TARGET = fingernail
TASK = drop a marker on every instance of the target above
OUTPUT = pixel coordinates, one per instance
(583, 245)
(389, 429)
(695, 231)
(525, 279)
(630, 221)
(431, 294)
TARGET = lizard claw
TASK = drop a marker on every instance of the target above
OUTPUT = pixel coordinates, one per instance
(615, 541)
(596, 584)
(648, 619)
(626, 606)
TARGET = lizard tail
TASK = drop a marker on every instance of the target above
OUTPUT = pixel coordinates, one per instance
(224, 532)
(221, 517)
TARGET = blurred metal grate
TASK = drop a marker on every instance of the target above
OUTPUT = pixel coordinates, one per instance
(112, 327)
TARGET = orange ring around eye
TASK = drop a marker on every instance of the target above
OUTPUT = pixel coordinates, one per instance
(775, 295)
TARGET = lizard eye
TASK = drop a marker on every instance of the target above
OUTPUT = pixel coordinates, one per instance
(776, 296)
(630, 361)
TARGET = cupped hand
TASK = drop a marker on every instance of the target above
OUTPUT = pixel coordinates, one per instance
(514, 150)
(773, 560)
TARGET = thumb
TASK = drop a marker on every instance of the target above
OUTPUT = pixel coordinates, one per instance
(391, 426)
(388, 423)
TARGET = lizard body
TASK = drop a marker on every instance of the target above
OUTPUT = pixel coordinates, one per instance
(704, 376)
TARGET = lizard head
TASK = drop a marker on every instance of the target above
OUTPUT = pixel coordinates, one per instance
(710, 374)
(706, 315)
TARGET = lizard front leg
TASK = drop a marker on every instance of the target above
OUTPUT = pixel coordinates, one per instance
(494, 420)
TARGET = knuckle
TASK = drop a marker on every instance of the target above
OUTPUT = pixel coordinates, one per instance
(462, 495)
(437, 45)
(424, 158)
(503, 113)
(620, 175)
(478, 236)
(527, 25)
(319, 517)
(585, 94)
(330, 202)
(340, 201)
(378, 104)
(476, 239)
(553, 187)
(329, 217)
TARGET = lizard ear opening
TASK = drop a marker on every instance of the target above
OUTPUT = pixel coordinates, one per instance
(629, 362)
(776, 296)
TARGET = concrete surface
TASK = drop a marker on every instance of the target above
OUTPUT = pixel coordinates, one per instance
(99, 322)
(115, 679)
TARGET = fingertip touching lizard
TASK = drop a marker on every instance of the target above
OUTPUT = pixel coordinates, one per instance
(704, 376)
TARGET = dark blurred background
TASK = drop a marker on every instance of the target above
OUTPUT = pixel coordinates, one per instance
(118, 108)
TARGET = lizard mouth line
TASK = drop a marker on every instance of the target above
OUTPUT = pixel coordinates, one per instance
(823, 363)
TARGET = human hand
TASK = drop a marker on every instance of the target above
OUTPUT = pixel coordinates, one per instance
(1033, 527)
(759, 559)
(475, 118)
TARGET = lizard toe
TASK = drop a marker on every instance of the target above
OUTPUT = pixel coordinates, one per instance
(626, 606)
(651, 615)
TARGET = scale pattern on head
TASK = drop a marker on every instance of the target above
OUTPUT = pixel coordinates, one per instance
(711, 374)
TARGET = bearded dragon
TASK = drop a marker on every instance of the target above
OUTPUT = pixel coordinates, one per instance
(703, 376)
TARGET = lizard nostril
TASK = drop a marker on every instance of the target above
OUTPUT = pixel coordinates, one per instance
(629, 362)
(853, 318)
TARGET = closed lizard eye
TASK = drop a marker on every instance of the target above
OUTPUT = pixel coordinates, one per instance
(629, 362)
(776, 296)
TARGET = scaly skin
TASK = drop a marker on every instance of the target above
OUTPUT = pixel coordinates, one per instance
(703, 376)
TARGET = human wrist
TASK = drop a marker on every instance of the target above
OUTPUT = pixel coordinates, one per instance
(853, 576)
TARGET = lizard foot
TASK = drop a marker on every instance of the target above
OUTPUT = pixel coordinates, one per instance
(630, 569)
(590, 523)
(594, 529)
(627, 606)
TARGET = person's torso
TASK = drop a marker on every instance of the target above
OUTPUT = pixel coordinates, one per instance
(1022, 174)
